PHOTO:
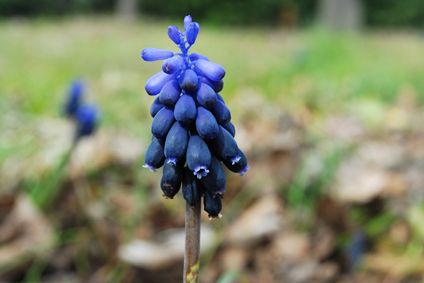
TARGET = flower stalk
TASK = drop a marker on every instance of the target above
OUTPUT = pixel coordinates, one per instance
(192, 242)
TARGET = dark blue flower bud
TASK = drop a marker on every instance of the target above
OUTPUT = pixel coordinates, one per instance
(187, 21)
(219, 97)
(74, 98)
(215, 181)
(206, 124)
(154, 157)
(170, 93)
(206, 96)
(155, 107)
(239, 167)
(211, 70)
(156, 82)
(86, 117)
(162, 122)
(221, 113)
(191, 32)
(174, 34)
(212, 205)
(171, 178)
(176, 143)
(188, 80)
(196, 56)
(172, 65)
(230, 128)
(198, 156)
(191, 192)
(155, 54)
(216, 86)
(185, 109)
(224, 147)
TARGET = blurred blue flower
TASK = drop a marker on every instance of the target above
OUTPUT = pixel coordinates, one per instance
(86, 120)
(74, 98)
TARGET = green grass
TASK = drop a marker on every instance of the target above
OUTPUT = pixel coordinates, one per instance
(38, 59)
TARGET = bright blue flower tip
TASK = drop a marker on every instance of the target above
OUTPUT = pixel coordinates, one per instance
(244, 170)
(235, 159)
(172, 161)
(150, 167)
(200, 171)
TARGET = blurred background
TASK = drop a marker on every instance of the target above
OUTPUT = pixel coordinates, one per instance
(327, 99)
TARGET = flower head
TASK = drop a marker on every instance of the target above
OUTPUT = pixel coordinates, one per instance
(191, 123)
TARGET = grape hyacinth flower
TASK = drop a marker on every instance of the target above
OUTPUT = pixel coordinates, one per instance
(191, 121)
(192, 133)
(84, 116)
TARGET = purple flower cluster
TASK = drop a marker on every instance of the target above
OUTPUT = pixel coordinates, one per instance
(84, 115)
(192, 132)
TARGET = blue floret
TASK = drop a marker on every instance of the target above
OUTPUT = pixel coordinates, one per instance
(198, 156)
(170, 93)
(191, 191)
(206, 96)
(154, 157)
(176, 143)
(162, 122)
(206, 124)
(185, 110)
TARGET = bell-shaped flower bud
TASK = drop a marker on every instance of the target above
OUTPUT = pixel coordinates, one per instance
(212, 205)
(170, 93)
(198, 156)
(224, 147)
(191, 32)
(221, 113)
(155, 107)
(185, 109)
(239, 167)
(219, 97)
(171, 178)
(154, 157)
(206, 96)
(188, 80)
(230, 128)
(196, 56)
(211, 70)
(191, 192)
(206, 124)
(155, 54)
(162, 122)
(176, 143)
(217, 86)
(86, 117)
(187, 21)
(215, 181)
(174, 34)
(155, 83)
(172, 65)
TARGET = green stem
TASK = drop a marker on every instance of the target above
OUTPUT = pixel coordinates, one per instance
(192, 244)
